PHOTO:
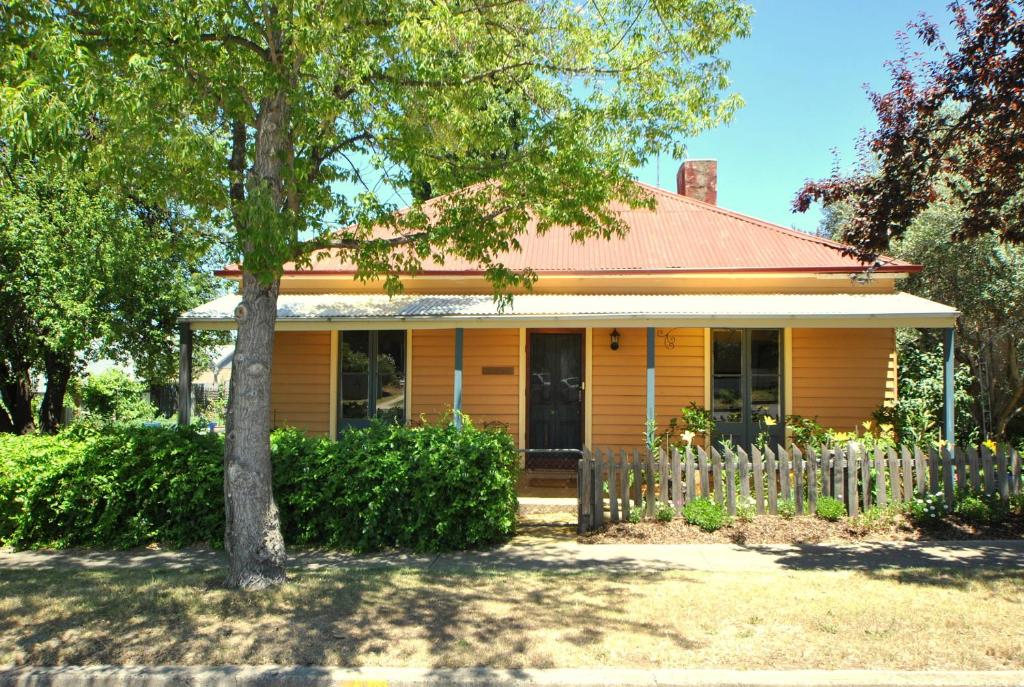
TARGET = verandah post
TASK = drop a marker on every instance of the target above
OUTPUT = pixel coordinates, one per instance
(650, 386)
(948, 369)
(184, 373)
(457, 400)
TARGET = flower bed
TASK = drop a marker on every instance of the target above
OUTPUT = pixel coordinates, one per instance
(890, 525)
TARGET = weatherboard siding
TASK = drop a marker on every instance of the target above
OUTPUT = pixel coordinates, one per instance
(678, 372)
(841, 376)
(491, 399)
(300, 381)
(433, 373)
(488, 399)
(619, 389)
(619, 392)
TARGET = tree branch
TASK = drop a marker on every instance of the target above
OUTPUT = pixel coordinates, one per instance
(306, 247)
(318, 155)
(1012, 405)
(240, 41)
(236, 163)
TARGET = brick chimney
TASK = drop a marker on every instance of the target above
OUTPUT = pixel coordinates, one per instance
(698, 179)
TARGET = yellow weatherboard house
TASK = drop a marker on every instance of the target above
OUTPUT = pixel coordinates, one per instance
(696, 304)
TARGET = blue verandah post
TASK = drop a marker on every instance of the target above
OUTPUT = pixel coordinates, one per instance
(948, 367)
(457, 400)
(650, 385)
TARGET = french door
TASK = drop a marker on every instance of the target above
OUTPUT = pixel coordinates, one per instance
(746, 372)
(371, 377)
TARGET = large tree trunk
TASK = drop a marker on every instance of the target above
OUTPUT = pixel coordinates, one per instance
(1012, 405)
(16, 392)
(253, 533)
(58, 373)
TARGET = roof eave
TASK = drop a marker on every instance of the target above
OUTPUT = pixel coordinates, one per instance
(838, 269)
(884, 321)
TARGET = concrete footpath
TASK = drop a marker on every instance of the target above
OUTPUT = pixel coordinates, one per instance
(267, 676)
(569, 555)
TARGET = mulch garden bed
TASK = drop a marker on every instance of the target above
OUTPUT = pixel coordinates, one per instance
(772, 529)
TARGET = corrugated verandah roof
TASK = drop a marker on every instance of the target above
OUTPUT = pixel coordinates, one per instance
(680, 235)
(764, 310)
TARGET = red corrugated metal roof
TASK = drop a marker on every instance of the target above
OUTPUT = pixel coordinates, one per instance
(680, 235)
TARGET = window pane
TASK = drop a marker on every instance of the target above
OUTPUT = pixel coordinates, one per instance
(727, 400)
(764, 396)
(391, 375)
(728, 347)
(764, 351)
(355, 375)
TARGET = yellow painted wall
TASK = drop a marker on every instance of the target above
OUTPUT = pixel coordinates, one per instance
(491, 399)
(619, 390)
(487, 399)
(433, 373)
(678, 372)
(841, 376)
(300, 381)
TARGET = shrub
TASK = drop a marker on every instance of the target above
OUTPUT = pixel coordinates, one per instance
(114, 396)
(636, 515)
(980, 508)
(125, 487)
(665, 513)
(705, 514)
(830, 508)
(806, 432)
(745, 509)
(927, 509)
(1017, 504)
(877, 519)
(973, 509)
(786, 508)
(698, 419)
(428, 488)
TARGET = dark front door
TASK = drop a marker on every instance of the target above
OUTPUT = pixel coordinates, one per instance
(556, 398)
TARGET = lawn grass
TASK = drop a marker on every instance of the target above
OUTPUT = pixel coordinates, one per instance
(907, 619)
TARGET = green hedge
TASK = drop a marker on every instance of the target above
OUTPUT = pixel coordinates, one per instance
(429, 488)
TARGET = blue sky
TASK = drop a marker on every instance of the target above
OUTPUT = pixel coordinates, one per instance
(802, 74)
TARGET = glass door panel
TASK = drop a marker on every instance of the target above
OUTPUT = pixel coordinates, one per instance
(746, 400)
(390, 388)
(354, 361)
(728, 393)
(371, 377)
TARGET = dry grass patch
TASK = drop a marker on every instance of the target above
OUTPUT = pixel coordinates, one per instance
(797, 619)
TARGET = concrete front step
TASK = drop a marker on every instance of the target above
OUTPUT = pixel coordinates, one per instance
(536, 505)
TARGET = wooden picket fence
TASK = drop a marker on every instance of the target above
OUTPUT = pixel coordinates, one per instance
(611, 484)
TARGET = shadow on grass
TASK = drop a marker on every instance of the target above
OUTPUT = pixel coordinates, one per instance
(976, 559)
(329, 617)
